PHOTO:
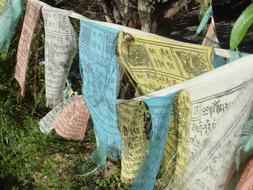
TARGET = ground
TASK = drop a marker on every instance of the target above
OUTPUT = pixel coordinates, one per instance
(31, 160)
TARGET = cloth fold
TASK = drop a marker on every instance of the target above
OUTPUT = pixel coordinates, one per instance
(69, 120)
(60, 50)
(143, 139)
(221, 105)
(71, 123)
(24, 46)
(154, 63)
(10, 13)
(100, 74)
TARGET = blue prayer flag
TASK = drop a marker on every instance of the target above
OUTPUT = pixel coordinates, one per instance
(160, 110)
(9, 18)
(99, 71)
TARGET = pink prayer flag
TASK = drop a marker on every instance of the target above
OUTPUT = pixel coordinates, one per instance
(211, 37)
(30, 21)
(72, 121)
(246, 180)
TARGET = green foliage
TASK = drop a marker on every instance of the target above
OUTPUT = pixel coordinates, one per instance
(111, 182)
(241, 27)
(28, 158)
(34, 159)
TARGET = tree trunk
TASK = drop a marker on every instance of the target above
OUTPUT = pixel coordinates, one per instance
(141, 14)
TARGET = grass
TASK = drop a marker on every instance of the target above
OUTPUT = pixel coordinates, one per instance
(28, 158)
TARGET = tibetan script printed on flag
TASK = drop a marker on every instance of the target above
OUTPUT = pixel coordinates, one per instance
(72, 121)
(221, 105)
(143, 139)
(100, 74)
(160, 111)
(69, 119)
(25, 41)
(155, 64)
(175, 153)
(132, 118)
(60, 49)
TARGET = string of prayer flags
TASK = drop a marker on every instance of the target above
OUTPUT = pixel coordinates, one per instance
(60, 49)
(10, 13)
(155, 64)
(71, 123)
(191, 131)
(221, 106)
(143, 139)
(100, 74)
(160, 110)
(246, 180)
(24, 47)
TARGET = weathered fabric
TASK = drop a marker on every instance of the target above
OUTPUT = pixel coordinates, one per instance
(211, 37)
(246, 143)
(247, 135)
(175, 153)
(211, 40)
(99, 70)
(71, 123)
(10, 13)
(155, 64)
(218, 61)
(143, 140)
(3, 4)
(60, 49)
(246, 180)
(24, 47)
(203, 24)
(69, 120)
(160, 109)
(132, 121)
(46, 124)
(221, 105)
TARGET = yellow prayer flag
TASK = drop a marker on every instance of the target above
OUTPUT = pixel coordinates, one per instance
(154, 63)
(131, 122)
(2, 5)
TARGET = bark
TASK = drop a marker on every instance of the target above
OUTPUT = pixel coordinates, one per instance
(141, 14)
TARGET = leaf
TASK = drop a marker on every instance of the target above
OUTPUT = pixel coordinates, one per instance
(241, 27)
